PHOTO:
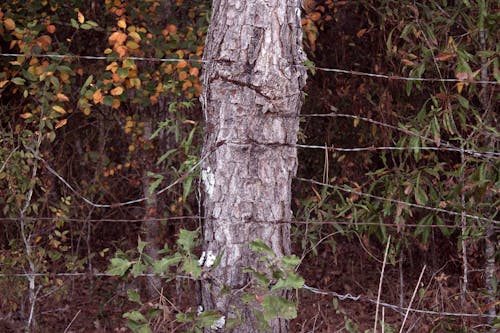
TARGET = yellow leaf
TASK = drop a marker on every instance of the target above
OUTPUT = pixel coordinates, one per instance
(460, 86)
(131, 148)
(97, 96)
(62, 98)
(61, 123)
(59, 109)
(135, 36)
(112, 66)
(9, 24)
(356, 122)
(81, 18)
(26, 115)
(122, 23)
(117, 91)
(3, 83)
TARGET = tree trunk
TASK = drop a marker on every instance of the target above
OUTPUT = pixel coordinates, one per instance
(251, 99)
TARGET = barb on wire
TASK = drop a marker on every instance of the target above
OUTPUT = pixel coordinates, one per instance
(435, 209)
(318, 68)
(392, 306)
(305, 287)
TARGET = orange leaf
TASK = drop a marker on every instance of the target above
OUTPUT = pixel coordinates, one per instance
(97, 97)
(59, 109)
(360, 33)
(81, 18)
(51, 28)
(183, 76)
(117, 37)
(121, 50)
(61, 123)
(194, 71)
(3, 83)
(181, 64)
(26, 115)
(315, 16)
(116, 104)
(9, 24)
(186, 85)
(122, 23)
(117, 91)
(171, 28)
(445, 56)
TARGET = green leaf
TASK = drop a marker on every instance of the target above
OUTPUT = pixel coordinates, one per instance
(260, 247)
(134, 296)
(74, 24)
(278, 307)
(138, 269)
(261, 278)
(154, 185)
(86, 84)
(187, 239)
(420, 195)
(186, 186)
(191, 266)
(18, 81)
(135, 316)
(163, 265)
(86, 26)
(208, 318)
(141, 245)
(292, 281)
(119, 266)
(464, 102)
(290, 262)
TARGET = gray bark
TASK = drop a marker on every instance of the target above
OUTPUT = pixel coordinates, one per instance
(251, 99)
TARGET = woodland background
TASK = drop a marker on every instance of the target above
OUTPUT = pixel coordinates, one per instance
(101, 132)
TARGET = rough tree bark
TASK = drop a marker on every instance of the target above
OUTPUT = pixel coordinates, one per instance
(253, 78)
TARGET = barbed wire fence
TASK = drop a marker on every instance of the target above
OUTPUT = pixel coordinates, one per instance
(443, 146)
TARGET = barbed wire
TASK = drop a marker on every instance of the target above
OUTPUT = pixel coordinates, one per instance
(126, 203)
(375, 148)
(318, 68)
(340, 296)
(415, 205)
(180, 220)
(219, 144)
(392, 306)
(444, 143)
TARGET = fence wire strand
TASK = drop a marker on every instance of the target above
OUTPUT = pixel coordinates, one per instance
(317, 68)
(342, 297)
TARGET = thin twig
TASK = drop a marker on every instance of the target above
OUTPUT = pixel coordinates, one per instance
(72, 320)
(380, 283)
(412, 298)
